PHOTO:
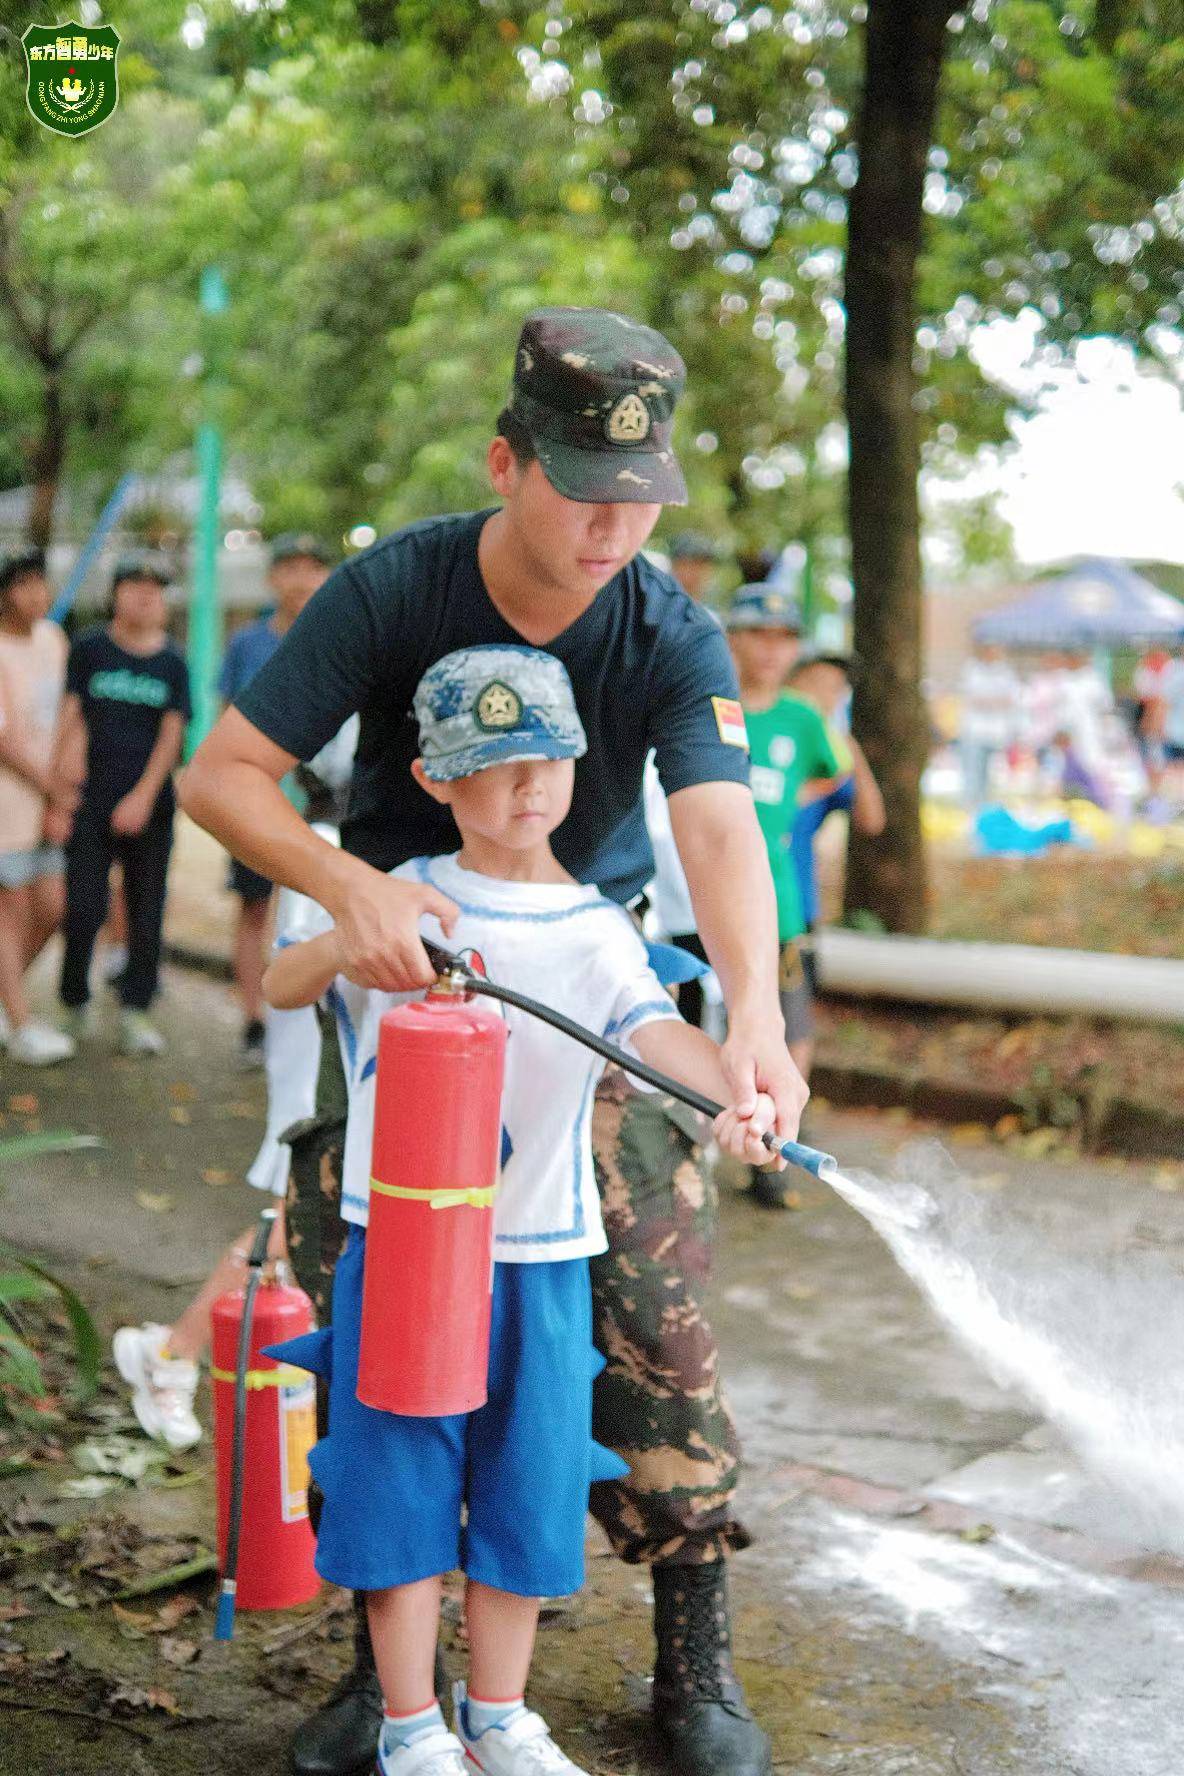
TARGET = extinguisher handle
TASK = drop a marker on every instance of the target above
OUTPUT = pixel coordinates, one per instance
(810, 1159)
(257, 1256)
(224, 1617)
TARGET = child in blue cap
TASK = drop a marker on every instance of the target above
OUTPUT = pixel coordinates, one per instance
(499, 737)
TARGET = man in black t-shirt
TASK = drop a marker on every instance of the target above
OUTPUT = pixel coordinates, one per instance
(582, 463)
(127, 702)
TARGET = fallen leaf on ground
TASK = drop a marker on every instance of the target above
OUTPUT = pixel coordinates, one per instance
(24, 1104)
(133, 1624)
(14, 1612)
(129, 1700)
(158, 1202)
(978, 1532)
(1168, 1178)
(174, 1611)
(182, 1092)
(57, 1586)
(1007, 1127)
(965, 1134)
(178, 1651)
(129, 1458)
(89, 1486)
(178, 1114)
(212, 1175)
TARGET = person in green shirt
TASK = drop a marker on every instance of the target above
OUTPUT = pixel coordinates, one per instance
(788, 745)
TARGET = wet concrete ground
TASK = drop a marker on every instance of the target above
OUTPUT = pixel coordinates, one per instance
(936, 1586)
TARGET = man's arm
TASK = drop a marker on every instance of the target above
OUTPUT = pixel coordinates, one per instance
(231, 787)
(727, 871)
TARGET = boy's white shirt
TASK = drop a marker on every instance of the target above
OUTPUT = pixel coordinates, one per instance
(571, 949)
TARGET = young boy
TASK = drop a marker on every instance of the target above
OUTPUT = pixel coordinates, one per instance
(789, 746)
(499, 735)
(127, 704)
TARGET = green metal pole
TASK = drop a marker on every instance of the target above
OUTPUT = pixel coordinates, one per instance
(204, 648)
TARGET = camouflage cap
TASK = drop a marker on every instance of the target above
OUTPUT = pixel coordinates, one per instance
(762, 606)
(485, 706)
(595, 393)
(142, 564)
(293, 544)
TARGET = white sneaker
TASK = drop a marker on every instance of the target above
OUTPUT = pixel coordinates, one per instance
(138, 1035)
(163, 1388)
(38, 1044)
(520, 1746)
(435, 1753)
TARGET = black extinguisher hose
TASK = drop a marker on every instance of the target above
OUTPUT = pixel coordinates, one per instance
(456, 968)
(256, 1258)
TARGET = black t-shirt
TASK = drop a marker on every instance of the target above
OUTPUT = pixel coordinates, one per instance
(124, 699)
(648, 666)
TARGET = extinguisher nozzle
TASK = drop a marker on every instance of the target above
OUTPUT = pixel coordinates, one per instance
(224, 1620)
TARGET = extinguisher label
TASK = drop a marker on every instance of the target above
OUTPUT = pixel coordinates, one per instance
(298, 1433)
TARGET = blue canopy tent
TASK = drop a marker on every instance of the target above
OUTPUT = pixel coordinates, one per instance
(1097, 605)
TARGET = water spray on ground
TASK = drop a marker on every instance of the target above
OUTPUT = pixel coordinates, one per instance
(1093, 1343)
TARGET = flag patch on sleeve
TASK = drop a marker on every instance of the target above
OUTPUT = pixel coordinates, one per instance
(729, 719)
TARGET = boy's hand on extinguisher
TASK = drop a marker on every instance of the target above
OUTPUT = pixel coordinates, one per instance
(743, 1136)
(378, 929)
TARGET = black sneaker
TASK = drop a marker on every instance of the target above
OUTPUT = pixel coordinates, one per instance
(254, 1052)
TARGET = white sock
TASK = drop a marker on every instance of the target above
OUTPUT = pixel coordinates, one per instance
(399, 1730)
(480, 1716)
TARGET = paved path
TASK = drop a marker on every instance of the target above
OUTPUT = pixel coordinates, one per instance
(878, 1630)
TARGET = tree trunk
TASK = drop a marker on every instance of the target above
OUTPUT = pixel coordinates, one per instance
(905, 41)
(47, 459)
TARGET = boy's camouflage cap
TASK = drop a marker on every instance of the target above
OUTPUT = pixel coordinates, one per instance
(595, 393)
(485, 706)
(761, 606)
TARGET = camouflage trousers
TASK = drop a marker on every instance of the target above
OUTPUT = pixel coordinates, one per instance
(658, 1402)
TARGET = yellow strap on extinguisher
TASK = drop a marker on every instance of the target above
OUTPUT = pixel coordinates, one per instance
(438, 1199)
(284, 1377)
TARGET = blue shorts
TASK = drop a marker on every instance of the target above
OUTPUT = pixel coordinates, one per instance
(522, 1464)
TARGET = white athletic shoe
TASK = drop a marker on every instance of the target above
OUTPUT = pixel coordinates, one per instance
(434, 1753)
(163, 1388)
(521, 1746)
(138, 1035)
(38, 1044)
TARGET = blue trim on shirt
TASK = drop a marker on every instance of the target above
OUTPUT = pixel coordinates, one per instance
(345, 1025)
(621, 1027)
(481, 910)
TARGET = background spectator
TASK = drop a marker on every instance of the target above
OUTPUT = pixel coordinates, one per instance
(127, 705)
(35, 802)
(991, 698)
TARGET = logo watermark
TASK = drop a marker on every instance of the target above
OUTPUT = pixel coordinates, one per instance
(72, 83)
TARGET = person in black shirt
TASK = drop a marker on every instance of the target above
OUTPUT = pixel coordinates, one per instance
(127, 702)
(583, 464)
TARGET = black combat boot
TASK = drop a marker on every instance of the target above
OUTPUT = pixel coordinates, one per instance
(699, 1706)
(341, 1738)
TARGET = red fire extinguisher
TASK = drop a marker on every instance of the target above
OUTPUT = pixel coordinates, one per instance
(426, 1292)
(264, 1428)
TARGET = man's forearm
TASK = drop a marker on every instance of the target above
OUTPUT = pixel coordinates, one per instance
(727, 870)
(162, 760)
(17, 760)
(248, 812)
